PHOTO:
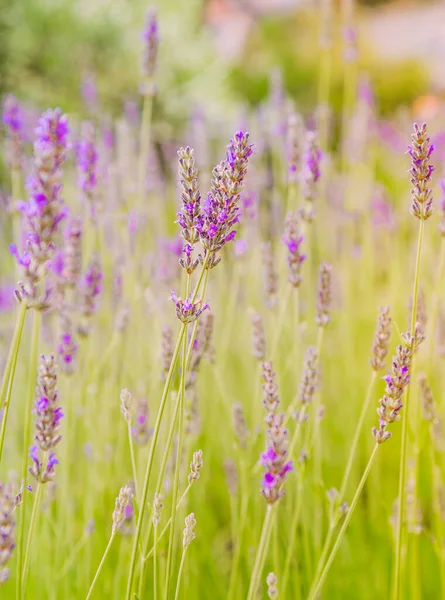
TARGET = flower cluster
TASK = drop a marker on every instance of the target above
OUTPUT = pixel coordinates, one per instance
(258, 337)
(274, 459)
(239, 425)
(166, 351)
(270, 275)
(310, 176)
(272, 589)
(221, 210)
(141, 430)
(8, 503)
(119, 513)
(67, 350)
(44, 210)
(72, 252)
(189, 530)
(12, 119)
(189, 217)
(48, 417)
(91, 290)
(195, 467)
(396, 382)
(158, 505)
(295, 131)
(309, 378)
(150, 36)
(186, 310)
(381, 339)
(87, 163)
(324, 295)
(293, 241)
(420, 151)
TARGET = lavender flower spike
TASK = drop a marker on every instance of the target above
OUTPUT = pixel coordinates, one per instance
(295, 257)
(150, 37)
(420, 152)
(221, 210)
(274, 459)
(295, 131)
(8, 503)
(92, 288)
(189, 217)
(87, 162)
(44, 210)
(310, 176)
(12, 119)
(186, 310)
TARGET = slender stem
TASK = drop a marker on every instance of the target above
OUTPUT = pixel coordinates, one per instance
(155, 566)
(171, 543)
(8, 376)
(101, 564)
(149, 466)
(32, 374)
(317, 585)
(181, 568)
(239, 537)
(403, 453)
(144, 143)
(156, 432)
(260, 556)
(71, 558)
(356, 439)
(292, 538)
(133, 461)
(32, 524)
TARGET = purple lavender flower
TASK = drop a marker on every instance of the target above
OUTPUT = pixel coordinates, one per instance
(310, 175)
(89, 91)
(421, 171)
(150, 36)
(67, 350)
(295, 258)
(91, 290)
(295, 133)
(8, 504)
(396, 382)
(48, 417)
(141, 430)
(87, 161)
(189, 217)
(72, 252)
(274, 459)
(221, 210)
(44, 210)
(12, 119)
(186, 310)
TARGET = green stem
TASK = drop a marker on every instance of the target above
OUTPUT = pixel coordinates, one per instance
(155, 566)
(317, 585)
(133, 461)
(181, 568)
(144, 144)
(32, 525)
(171, 543)
(292, 538)
(240, 533)
(32, 374)
(8, 377)
(99, 568)
(260, 556)
(149, 466)
(403, 453)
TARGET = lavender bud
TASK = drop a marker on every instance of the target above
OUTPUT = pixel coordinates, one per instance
(231, 475)
(150, 36)
(166, 351)
(271, 398)
(420, 151)
(324, 295)
(126, 405)
(381, 339)
(122, 502)
(239, 425)
(67, 350)
(272, 590)
(189, 530)
(72, 252)
(12, 119)
(87, 164)
(195, 467)
(186, 310)
(310, 376)
(310, 176)
(91, 290)
(48, 414)
(293, 240)
(295, 132)
(258, 337)
(141, 431)
(158, 505)
(270, 275)
(189, 217)
(274, 459)
(8, 505)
